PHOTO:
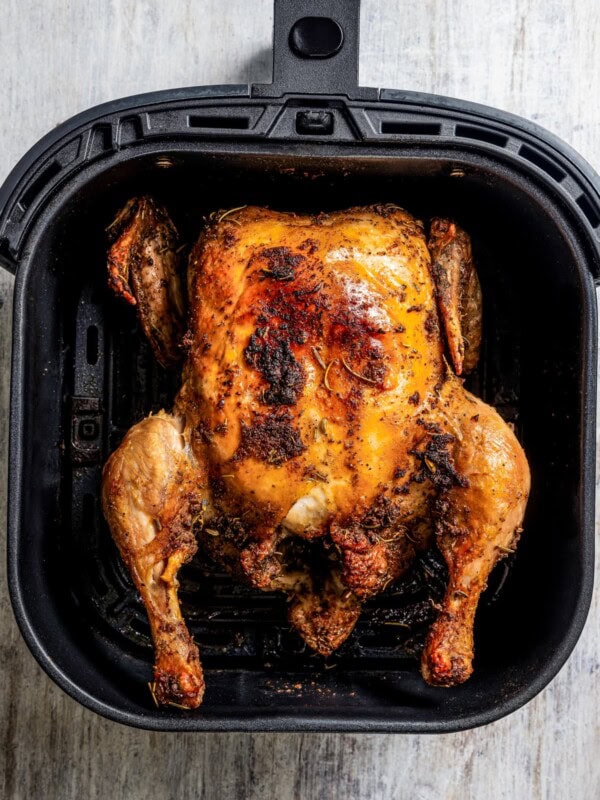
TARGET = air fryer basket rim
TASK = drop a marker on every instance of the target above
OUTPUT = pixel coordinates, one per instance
(581, 190)
(21, 222)
(284, 721)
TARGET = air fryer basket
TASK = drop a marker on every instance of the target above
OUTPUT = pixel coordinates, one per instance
(82, 374)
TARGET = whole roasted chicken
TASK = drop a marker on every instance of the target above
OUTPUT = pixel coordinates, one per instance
(320, 403)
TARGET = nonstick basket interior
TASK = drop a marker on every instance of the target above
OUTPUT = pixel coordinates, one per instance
(91, 375)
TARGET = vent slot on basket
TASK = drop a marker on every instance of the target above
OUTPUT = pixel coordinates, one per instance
(482, 135)
(585, 205)
(542, 162)
(411, 128)
(224, 123)
(88, 512)
(39, 183)
(91, 345)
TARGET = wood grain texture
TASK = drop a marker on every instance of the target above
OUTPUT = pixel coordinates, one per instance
(538, 59)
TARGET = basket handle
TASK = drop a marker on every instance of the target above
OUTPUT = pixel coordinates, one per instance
(315, 49)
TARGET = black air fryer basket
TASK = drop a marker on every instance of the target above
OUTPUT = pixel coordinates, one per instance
(83, 374)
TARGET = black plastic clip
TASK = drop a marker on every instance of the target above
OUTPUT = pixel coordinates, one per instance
(314, 123)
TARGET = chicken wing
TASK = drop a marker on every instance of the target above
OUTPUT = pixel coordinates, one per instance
(144, 267)
(458, 292)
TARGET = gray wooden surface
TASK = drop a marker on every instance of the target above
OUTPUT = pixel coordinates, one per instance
(538, 58)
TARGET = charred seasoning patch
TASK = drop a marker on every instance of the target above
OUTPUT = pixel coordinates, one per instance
(364, 357)
(431, 325)
(166, 688)
(218, 486)
(353, 331)
(202, 433)
(259, 564)
(272, 439)
(229, 238)
(269, 352)
(309, 246)
(280, 263)
(295, 308)
(384, 513)
(430, 427)
(441, 280)
(437, 464)
(349, 321)
(227, 542)
(374, 368)
(223, 528)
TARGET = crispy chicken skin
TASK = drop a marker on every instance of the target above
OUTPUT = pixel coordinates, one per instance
(317, 410)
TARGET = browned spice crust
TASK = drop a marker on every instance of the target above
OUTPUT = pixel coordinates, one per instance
(272, 439)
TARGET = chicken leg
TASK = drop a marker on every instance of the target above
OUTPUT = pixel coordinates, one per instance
(478, 523)
(151, 498)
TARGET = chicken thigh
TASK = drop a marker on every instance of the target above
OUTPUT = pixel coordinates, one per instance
(317, 411)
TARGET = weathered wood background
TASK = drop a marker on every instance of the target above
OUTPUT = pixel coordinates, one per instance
(538, 58)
